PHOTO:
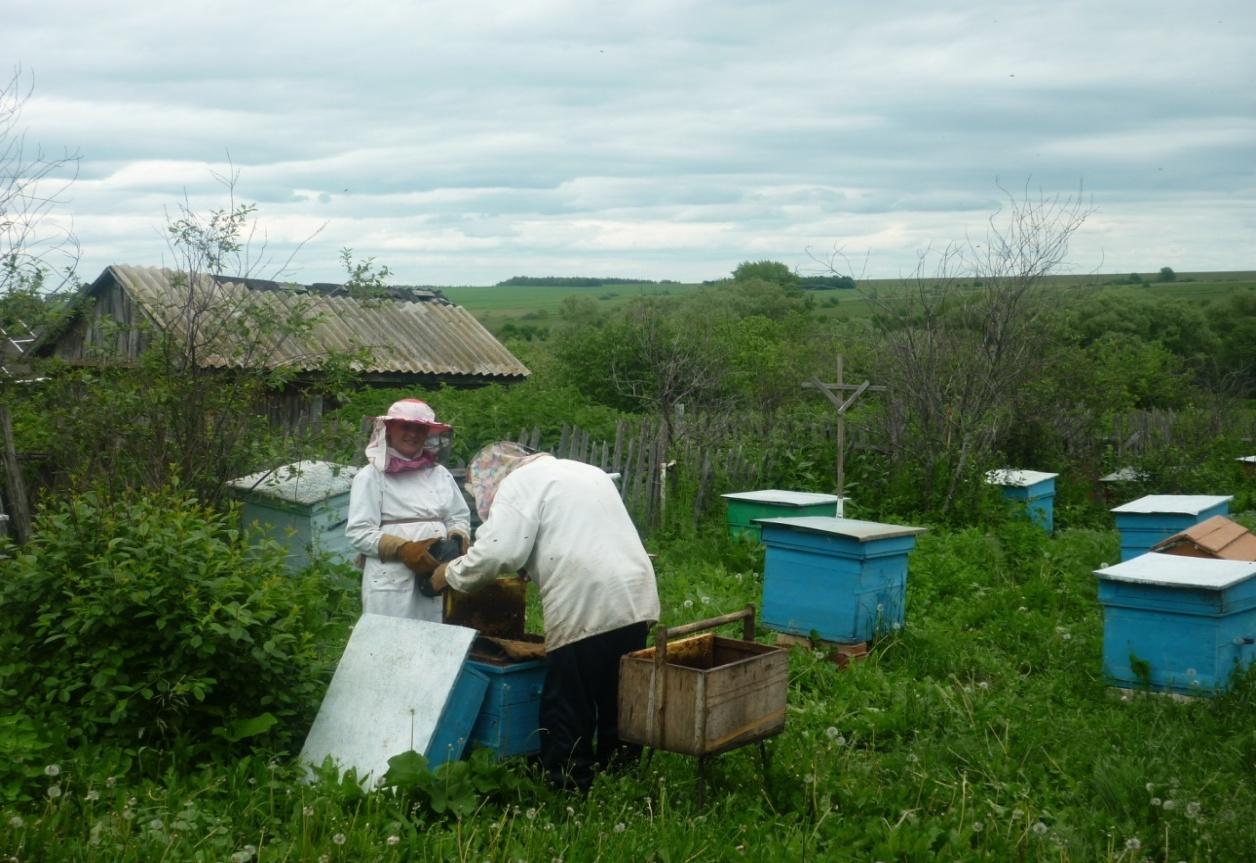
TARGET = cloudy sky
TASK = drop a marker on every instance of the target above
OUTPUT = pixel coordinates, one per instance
(463, 142)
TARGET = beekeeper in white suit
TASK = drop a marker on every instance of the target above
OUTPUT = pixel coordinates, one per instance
(401, 503)
(564, 523)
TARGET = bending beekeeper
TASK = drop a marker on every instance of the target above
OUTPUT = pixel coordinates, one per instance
(400, 504)
(563, 523)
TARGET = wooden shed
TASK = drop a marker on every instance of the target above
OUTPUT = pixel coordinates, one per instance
(402, 337)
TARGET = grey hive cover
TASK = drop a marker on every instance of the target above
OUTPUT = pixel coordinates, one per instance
(389, 693)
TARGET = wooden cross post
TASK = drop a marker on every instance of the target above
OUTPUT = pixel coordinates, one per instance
(831, 392)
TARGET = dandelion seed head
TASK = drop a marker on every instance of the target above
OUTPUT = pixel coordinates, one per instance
(978, 827)
(1039, 828)
(1017, 814)
(1155, 801)
(831, 732)
(531, 814)
(393, 839)
(1192, 809)
(620, 827)
(688, 603)
(52, 770)
(54, 791)
(92, 795)
(338, 839)
(15, 821)
(1170, 805)
(1132, 844)
(155, 824)
(111, 781)
(983, 684)
(307, 811)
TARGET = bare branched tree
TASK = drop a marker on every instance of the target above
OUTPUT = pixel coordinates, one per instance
(968, 335)
(35, 255)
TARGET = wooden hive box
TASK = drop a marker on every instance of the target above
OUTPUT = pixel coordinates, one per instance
(840, 578)
(746, 506)
(1216, 537)
(1033, 489)
(717, 694)
(703, 695)
(1155, 517)
(1177, 624)
(302, 506)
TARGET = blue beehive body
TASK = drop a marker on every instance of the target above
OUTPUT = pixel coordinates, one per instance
(302, 506)
(509, 719)
(1177, 624)
(1033, 489)
(1148, 520)
(454, 729)
(840, 578)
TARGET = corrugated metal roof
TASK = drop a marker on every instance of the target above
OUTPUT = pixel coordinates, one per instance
(1215, 537)
(421, 332)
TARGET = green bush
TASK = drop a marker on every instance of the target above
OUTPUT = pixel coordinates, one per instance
(152, 621)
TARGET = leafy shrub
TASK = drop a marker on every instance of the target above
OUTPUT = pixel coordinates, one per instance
(153, 621)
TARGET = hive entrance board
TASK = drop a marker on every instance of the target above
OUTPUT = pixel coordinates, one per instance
(401, 685)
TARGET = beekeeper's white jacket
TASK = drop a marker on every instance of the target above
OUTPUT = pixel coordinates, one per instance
(564, 523)
(417, 504)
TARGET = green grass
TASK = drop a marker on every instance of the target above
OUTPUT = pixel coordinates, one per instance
(981, 730)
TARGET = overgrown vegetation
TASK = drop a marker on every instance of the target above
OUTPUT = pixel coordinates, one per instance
(160, 668)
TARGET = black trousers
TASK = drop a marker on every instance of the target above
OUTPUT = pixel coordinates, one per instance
(580, 706)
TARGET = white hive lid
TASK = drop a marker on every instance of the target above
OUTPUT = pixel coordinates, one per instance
(1125, 474)
(782, 498)
(850, 528)
(1171, 570)
(1247, 459)
(1018, 478)
(302, 482)
(388, 693)
(1177, 504)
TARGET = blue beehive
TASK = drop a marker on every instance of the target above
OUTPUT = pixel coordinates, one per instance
(302, 506)
(1177, 624)
(1148, 520)
(1034, 489)
(840, 578)
(509, 719)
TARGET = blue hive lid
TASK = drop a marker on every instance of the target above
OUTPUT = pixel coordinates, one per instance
(1018, 478)
(1172, 570)
(302, 482)
(850, 528)
(1176, 504)
(782, 498)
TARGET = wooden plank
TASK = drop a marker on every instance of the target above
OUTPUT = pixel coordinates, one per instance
(19, 511)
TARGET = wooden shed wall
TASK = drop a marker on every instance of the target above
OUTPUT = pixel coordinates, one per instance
(112, 328)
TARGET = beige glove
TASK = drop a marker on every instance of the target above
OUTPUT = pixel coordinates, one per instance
(390, 548)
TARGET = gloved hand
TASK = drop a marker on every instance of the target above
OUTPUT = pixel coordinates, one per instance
(438, 582)
(462, 539)
(417, 555)
(433, 585)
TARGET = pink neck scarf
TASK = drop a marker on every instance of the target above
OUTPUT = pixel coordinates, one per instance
(399, 464)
